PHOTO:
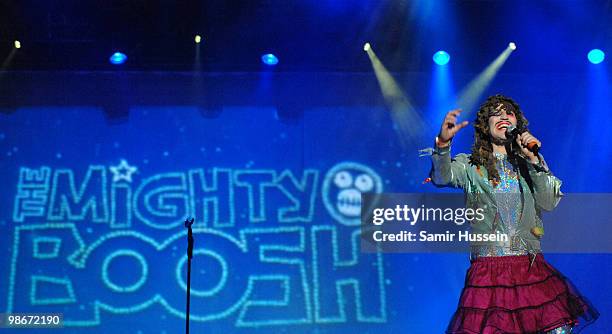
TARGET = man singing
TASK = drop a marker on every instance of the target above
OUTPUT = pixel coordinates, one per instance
(509, 287)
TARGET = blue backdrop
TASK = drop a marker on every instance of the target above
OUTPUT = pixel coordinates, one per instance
(99, 170)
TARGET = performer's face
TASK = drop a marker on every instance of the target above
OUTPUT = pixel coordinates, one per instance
(499, 120)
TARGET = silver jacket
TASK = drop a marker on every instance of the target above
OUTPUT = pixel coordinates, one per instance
(540, 190)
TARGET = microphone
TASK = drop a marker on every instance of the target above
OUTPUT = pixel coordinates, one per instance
(513, 132)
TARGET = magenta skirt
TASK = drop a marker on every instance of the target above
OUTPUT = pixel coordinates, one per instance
(503, 294)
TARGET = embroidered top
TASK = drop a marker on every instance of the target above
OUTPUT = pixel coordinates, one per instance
(507, 195)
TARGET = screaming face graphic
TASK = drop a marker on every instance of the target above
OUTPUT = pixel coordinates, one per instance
(342, 189)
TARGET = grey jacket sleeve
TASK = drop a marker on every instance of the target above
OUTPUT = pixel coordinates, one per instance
(447, 172)
(547, 187)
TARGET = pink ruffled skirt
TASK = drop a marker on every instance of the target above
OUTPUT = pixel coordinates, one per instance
(504, 294)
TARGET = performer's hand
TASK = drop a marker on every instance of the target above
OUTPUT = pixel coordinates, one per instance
(522, 140)
(450, 126)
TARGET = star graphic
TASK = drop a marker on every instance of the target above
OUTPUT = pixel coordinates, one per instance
(123, 171)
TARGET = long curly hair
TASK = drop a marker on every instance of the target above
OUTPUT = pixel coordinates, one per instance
(482, 149)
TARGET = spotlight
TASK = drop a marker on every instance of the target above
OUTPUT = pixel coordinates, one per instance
(469, 96)
(512, 46)
(269, 59)
(117, 58)
(441, 58)
(596, 56)
(366, 47)
(198, 39)
(17, 45)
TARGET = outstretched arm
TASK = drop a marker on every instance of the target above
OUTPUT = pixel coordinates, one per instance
(446, 171)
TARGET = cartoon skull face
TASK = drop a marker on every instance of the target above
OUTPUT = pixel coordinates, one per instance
(343, 187)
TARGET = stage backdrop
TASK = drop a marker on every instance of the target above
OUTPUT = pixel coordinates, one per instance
(99, 171)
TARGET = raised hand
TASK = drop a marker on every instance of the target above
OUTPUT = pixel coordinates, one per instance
(450, 127)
